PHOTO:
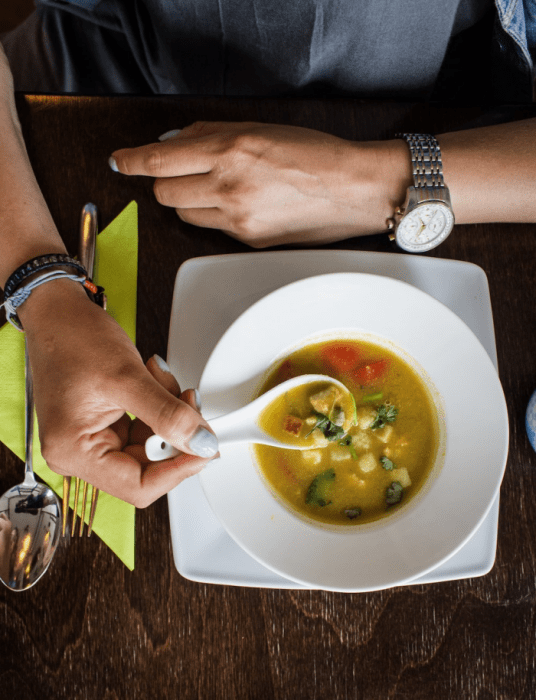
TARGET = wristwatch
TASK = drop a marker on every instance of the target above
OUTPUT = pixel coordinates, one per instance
(426, 217)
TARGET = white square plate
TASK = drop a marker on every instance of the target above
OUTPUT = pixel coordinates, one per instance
(210, 293)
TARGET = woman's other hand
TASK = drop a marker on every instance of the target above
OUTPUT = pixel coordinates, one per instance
(269, 184)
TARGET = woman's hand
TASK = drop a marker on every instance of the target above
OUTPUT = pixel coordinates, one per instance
(268, 184)
(87, 374)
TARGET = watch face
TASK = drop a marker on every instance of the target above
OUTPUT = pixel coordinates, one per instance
(425, 227)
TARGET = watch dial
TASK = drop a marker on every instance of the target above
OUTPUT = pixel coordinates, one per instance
(425, 227)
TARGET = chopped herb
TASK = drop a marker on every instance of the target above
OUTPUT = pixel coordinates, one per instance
(387, 464)
(316, 493)
(353, 512)
(386, 413)
(347, 442)
(328, 428)
(393, 494)
(371, 398)
(354, 418)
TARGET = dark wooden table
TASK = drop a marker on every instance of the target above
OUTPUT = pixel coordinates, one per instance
(91, 629)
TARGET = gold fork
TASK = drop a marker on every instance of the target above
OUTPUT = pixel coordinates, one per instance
(88, 239)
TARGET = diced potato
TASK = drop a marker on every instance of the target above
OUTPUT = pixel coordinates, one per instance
(318, 439)
(361, 440)
(365, 417)
(292, 424)
(337, 416)
(402, 476)
(385, 434)
(312, 456)
(324, 401)
(310, 421)
(340, 454)
(367, 462)
(356, 481)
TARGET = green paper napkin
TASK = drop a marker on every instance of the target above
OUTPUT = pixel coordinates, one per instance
(116, 269)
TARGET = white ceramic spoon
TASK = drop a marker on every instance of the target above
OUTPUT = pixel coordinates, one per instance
(242, 425)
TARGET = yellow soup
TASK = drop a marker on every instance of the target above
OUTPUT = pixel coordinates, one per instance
(363, 462)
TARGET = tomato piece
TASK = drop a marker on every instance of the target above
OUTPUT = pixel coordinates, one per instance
(370, 372)
(342, 357)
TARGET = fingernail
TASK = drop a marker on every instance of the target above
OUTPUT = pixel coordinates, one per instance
(169, 134)
(162, 364)
(203, 443)
(197, 399)
(113, 164)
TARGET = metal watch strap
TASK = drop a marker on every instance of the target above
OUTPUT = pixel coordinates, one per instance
(426, 160)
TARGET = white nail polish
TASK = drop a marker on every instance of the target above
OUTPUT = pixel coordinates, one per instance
(169, 134)
(203, 443)
(113, 165)
(162, 364)
(197, 399)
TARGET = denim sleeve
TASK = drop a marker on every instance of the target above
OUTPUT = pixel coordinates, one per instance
(84, 4)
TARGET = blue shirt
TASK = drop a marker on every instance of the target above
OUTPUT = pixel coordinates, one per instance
(383, 48)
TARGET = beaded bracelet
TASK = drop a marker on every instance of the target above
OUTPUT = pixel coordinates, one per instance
(36, 272)
(42, 262)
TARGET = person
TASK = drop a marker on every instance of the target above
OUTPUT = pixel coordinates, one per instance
(241, 178)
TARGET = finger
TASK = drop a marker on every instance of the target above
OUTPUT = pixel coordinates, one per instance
(171, 134)
(122, 428)
(139, 454)
(182, 461)
(161, 477)
(173, 419)
(125, 476)
(141, 432)
(170, 158)
(192, 398)
(201, 128)
(161, 371)
(205, 218)
(188, 191)
(218, 219)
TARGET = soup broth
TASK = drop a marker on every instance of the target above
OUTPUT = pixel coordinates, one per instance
(379, 455)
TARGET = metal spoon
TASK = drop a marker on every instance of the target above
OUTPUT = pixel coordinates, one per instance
(242, 425)
(33, 515)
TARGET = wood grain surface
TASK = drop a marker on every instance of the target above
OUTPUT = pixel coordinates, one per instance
(91, 629)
